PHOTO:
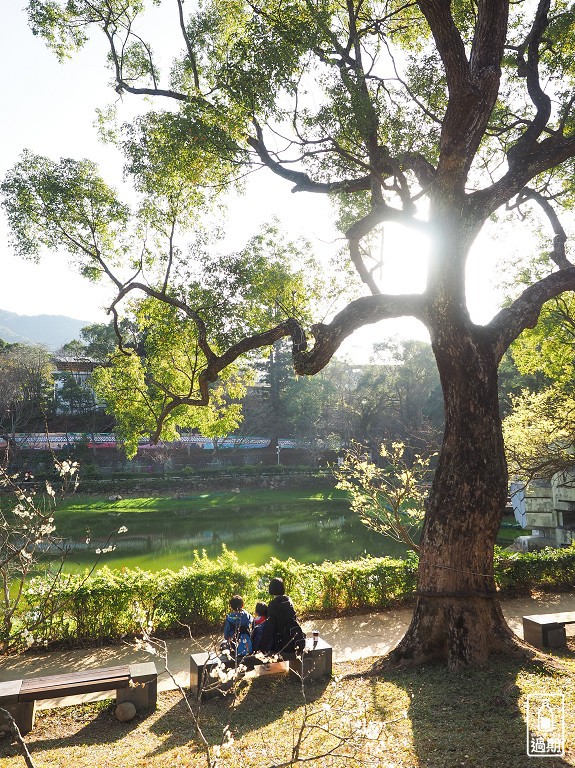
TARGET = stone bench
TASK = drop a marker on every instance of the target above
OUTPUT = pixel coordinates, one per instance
(316, 663)
(547, 630)
(136, 683)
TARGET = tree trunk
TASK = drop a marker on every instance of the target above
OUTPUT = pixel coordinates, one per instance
(457, 616)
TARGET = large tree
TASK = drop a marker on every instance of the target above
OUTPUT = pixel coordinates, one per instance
(434, 115)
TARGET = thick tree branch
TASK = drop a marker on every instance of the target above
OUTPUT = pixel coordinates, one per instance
(328, 337)
(189, 48)
(448, 40)
(364, 226)
(489, 38)
(525, 310)
(560, 238)
(172, 301)
(217, 364)
(530, 70)
(540, 157)
(473, 85)
(169, 94)
(421, 167)
(363, 311)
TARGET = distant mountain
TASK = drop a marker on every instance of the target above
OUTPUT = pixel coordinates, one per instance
(50, 330)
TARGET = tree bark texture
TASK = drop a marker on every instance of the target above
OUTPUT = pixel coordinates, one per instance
(457, 615)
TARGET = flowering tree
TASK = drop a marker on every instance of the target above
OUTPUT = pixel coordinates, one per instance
(389, 499)
(27, 535)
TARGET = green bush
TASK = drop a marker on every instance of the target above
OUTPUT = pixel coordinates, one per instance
(113, 604)
(198, 595)
(551, 568)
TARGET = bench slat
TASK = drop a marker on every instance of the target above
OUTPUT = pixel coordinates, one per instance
(85, 681)
(72, 689)
(9, 691)
(20, 696)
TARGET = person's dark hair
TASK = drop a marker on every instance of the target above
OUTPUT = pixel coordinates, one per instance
(277, 586)
(237, 603)
(262, 609)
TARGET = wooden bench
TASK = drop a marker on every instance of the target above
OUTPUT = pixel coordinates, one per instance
(136, 683)
(317, 662)
(547, 630)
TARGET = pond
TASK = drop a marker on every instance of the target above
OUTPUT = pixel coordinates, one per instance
(307, 526)
(308, 530)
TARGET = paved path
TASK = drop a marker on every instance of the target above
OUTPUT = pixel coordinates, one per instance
(352, 637)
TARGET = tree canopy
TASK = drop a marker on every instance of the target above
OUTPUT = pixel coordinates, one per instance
(26, 387)
(381, 106)
(540, 429)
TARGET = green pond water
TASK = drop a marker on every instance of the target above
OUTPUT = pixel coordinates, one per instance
(257, 525)
(308, 530)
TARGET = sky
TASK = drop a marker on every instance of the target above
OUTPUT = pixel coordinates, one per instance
(50, 109)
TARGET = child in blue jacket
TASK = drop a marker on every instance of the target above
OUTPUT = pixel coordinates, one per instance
(238, 628)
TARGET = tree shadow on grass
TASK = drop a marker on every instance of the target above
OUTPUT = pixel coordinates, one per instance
(98, 725)
(475, 717)
(260, 701)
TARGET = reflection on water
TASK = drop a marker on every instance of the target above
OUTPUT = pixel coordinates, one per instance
(307, 532)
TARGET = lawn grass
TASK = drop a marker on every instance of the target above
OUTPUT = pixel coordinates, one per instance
(423, 718)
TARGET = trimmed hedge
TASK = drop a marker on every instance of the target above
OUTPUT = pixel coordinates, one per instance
(114, 604)
(521, 572)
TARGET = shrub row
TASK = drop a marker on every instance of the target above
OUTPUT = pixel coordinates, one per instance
(113, 604)
(549, 569)
(209, 478)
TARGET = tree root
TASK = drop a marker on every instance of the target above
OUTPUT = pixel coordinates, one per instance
(397, 659)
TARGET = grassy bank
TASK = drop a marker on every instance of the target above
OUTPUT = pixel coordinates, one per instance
(150, 514)
(423, 718)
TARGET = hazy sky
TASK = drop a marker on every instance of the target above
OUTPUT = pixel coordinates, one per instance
(49, 108)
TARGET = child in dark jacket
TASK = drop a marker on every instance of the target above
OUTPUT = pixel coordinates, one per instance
(238, 627)
(260, 617)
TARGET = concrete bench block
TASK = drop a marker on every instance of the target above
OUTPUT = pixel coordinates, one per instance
(316, 662)
(143, 689)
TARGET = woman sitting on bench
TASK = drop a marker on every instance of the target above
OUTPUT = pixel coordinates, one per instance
(282, 632)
